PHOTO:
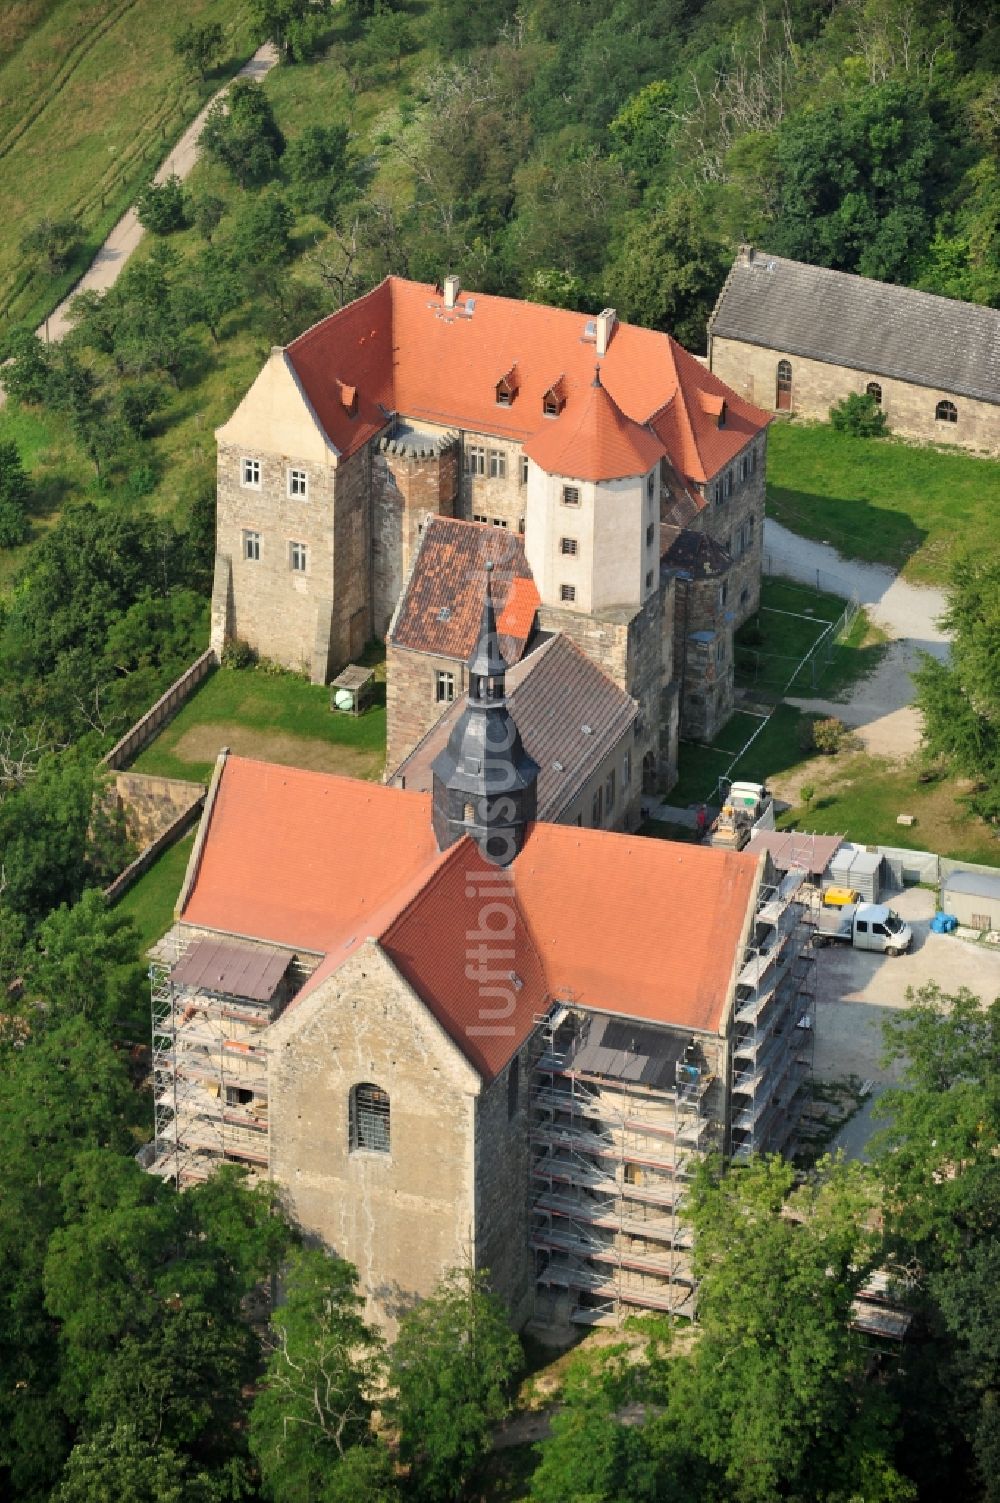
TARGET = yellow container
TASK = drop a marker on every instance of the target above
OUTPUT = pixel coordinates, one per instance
(838, 897)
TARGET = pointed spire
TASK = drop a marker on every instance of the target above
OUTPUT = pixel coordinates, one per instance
(597, 375)
(487, 666)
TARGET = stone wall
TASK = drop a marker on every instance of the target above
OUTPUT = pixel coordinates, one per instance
(411, 702)
(148, 726)
(703, 655)
(625, 811)
(350, 611)
(817, 385)
(410, 484)
(501, 500)
(503, 1163)
(737, 524)
(280, 612)
(403, 1217)
(151, 804)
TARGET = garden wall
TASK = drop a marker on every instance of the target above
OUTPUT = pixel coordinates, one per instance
(165, 708)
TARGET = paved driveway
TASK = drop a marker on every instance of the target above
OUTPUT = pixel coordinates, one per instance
(879, 708)
(857, 990)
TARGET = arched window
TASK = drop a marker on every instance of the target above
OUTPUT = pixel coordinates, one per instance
(946, 412)
(369, 1118)
(783, 393)
(874, 390)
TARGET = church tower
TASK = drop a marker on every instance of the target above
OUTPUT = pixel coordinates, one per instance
(485, 784)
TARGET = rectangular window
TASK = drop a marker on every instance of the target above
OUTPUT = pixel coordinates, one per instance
(475, 460)
(498, 464)
(650, 531)
(651, 485)
(596, 809)
(512, 1088)
(752, 460)
(568, 545)
(609, 791)
(649, 580)
(524, 469)
(720, 653)
(250, 474)
(567, 592)
(571, 495)
(444, 687)
(727, 485)
(723, 592)
(478, 516)
(298, 485)
(297, 557)
(626, 769)
(251, 547)
(744, 467)
(499, 522)
(520, 525)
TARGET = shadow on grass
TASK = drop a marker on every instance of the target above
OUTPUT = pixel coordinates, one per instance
(855, 525)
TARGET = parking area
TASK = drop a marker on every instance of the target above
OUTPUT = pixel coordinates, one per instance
(856, 990)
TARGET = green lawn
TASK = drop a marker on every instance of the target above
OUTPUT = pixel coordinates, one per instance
(861, 796)
(91, 99)
(151, 901)
(792, 619)
(276, 717)
(775, 749)
(906, 505)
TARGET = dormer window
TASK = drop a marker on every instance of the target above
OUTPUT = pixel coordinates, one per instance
(348, 397)
(722, 414)
(506, 389)
(554, 399)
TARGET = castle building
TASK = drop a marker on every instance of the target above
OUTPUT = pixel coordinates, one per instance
(579, 436)
(452, 1032)
(797, 338)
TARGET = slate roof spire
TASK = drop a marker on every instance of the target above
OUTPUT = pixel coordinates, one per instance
(485, 783)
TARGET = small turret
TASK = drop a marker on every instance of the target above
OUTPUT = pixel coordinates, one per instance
(485, 784)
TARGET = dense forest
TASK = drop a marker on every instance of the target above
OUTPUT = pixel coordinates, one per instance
(577, 154)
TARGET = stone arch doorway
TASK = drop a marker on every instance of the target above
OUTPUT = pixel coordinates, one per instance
(783, 386)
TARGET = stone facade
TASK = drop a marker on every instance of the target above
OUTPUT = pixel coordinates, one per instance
(411, 697)
(412, 479)
(735, 520)
(401, 1217)
(703, 656)
(816, 385)
(492, 485)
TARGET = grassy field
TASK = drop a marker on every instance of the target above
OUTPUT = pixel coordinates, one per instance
(91, 99)
(276, 717)
(906, 505)
(860, 796)
(775, 749)
(151, 901)
(792, 620)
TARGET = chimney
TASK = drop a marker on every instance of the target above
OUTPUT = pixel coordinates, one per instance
(450, 291)
(606, 321)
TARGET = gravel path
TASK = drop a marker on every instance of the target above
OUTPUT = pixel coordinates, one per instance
(879, 707)
(113, 254)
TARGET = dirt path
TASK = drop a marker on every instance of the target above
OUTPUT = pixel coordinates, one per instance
(879, 708)
(120, 244)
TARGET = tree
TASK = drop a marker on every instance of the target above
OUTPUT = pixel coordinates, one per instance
(314, 1407)
(668, 270)
(294, 26)
(52, 243)
(242, 134)
(317, 164)
(387, 37)
(117, 1465)
(44, 836)
(771, 1396)
(162, 207)
(206, 214)
(27, 374)
(86, 964)
(452, 1366)
(198, 47)
(860, 415)
(591, 1455)
(960, 698)
(262, 235)
(211, 289)
(15, 497)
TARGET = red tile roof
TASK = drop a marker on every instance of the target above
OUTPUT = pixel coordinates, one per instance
(405, 352)
(594, 440)
(441, 608)
(641, 928)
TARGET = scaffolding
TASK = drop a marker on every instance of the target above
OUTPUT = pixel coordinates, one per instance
(616, 1132)
(209, 1063)
(773, 1028)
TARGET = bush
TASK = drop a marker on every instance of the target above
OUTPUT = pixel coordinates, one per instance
(807, 793)
(53, 243)
(242, 135)
(239, 654)
(860, 415)
(162, 207)
(828, 735)
(15, 497)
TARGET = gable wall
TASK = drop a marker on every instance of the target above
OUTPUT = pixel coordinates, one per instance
(816, 386)
(404, 1217)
